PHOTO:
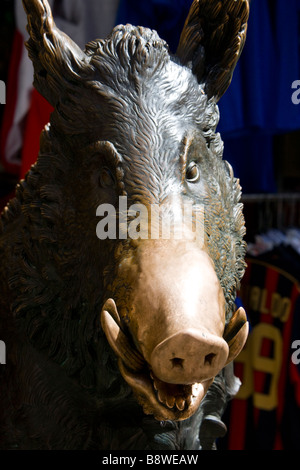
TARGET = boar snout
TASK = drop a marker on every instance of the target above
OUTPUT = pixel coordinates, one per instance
(169, 331)
(189, 356)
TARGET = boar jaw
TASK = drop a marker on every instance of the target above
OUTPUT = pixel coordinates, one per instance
(164, 400)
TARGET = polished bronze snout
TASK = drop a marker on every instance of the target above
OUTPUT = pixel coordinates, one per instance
(171, 336)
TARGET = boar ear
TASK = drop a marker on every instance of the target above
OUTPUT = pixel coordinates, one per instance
(212, 40)
(57, 60)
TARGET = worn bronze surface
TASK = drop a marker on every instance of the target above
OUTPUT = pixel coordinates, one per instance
(124, 343)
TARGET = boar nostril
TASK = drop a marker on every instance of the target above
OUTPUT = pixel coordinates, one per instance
(209, 359)
(177, 362)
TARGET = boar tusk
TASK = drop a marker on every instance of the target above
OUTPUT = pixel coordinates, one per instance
(119, 342)
(236, 333)
(238, 319)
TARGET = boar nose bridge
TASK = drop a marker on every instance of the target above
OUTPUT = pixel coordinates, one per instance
(167, 216)
(161, 197)
(169, 204)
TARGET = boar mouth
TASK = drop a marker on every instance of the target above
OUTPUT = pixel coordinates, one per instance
(164, 400)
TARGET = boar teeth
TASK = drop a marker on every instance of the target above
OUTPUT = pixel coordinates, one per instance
(174, 396)
(167, 400)
(160, 397)
(170, 402)
(180, 404)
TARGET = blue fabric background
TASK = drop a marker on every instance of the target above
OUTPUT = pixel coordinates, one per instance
(258, 103)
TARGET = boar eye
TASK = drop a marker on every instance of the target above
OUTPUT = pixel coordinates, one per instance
(106, 178)
(193, 172)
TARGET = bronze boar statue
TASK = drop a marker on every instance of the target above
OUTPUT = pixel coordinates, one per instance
(119, 341)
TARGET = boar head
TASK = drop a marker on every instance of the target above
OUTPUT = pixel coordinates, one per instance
(133, 121)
